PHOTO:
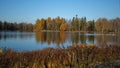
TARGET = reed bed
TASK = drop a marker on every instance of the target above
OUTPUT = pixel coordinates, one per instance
(76, 56)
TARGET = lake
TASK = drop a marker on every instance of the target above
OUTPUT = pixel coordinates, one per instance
(28, 41)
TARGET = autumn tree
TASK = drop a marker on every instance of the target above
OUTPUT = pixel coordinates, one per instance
(76, 24)
(53, 24)
(48, 23)
(58, 22)
(102, 25)
(99, 25)
(37, 25)
(40, 25)
(63, 25)
(116, 24)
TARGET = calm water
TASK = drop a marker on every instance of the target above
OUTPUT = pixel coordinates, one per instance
(28, 41)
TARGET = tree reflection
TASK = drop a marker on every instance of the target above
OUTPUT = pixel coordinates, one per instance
(50, 37)
(103, 40)
(83, 38)
(14, 35)
(40, 37)
(91, 39)
(60, 38)
(75, 38)
(57, 38)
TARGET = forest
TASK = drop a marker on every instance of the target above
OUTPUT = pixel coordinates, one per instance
(8, 26)
(62, 24)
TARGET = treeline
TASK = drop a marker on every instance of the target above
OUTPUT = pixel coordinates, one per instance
(62, 24)
(7, 26)
(78, 24)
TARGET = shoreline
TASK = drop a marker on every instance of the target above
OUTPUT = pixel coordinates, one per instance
(67, 31)
(78, 31)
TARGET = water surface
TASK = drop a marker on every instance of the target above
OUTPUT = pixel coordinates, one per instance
(28, 41)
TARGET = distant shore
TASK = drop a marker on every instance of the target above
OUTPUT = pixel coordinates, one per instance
(67, 31)
(78, 31)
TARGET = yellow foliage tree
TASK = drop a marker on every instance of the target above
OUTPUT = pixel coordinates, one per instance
(63, 25)
(48, 21)
(39, 25)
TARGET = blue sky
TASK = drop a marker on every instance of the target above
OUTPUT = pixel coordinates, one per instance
(30, 10)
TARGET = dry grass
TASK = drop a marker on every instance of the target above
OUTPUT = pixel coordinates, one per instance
(76, 56)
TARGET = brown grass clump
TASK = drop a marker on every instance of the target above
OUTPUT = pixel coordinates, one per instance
(77, 56)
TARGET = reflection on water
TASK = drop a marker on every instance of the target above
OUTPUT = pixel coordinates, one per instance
(50, 37)
(14, 35)
(41, 40)
(77, 38)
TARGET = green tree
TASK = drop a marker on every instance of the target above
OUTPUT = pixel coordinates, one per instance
(83, 24)
(90, 26)
(1, 26)
(75, 23)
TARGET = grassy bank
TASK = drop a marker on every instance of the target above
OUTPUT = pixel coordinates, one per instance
(76, 56)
